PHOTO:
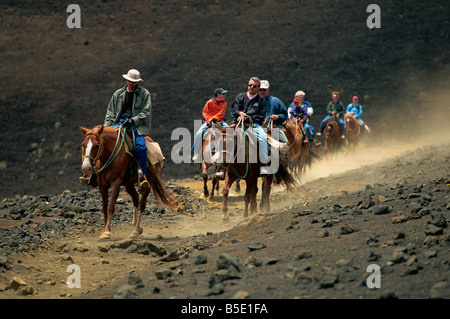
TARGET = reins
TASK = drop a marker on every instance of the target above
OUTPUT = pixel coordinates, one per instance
(101, 148)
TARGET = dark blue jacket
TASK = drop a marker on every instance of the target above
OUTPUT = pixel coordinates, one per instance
(275, 106)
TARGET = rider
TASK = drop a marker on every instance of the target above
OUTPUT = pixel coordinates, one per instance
(356, 109)
(277, 112)
(214, 110)
(275, 109)
(252, 106)
(335, 107)
(131, 106)
(303, 110)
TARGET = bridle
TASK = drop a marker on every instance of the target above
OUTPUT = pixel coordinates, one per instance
(99, 152)
(101, 148)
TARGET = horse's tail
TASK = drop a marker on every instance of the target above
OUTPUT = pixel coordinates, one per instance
(160, 191)
(282, 176)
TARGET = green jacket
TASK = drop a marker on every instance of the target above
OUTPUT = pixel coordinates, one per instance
(338, 108)
(141, 110)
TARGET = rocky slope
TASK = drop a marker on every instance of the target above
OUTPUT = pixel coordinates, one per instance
(316, 243)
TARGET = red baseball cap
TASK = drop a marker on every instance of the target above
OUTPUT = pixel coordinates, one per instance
(354, 98)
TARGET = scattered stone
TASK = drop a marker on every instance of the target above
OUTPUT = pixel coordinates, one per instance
(345, 230)
(303, 255)
(328, 280)
(217, 289)
(104, 248)
(15, 283)
(270, 261)
(399, 255)
(440, 290)
(256, 246)
(225, 261)
(252, 262)
(201, 259)
(324, 233)
(432, 230)
(430, 253)
(241, 294)
(381, 209)
(439, 220)
(170, 257)
(134, 279)
(399, 219)
(163, 273)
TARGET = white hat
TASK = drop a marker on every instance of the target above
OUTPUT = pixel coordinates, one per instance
(133, 75)
(264, 84)
(299, 93)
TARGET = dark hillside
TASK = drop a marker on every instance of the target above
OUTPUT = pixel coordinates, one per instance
(54, 78)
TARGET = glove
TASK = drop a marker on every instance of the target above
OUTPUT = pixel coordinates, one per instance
(128, 123)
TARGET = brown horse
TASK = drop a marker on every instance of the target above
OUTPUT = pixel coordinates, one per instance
(332, 136)
(352, 131)
(248, 170)
(104, 155)
(298, 150)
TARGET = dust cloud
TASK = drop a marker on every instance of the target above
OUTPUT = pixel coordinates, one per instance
(421, 117)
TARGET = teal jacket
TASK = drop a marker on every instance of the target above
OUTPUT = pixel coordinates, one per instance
(141, 110)
(338, 108)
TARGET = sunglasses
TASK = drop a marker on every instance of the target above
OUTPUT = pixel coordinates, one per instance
(253, 85)
(264, 90)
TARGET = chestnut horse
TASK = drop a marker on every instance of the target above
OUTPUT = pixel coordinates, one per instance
(104, 154)
(352, 131)
(332, 136)
(248, 170)
(298, 151)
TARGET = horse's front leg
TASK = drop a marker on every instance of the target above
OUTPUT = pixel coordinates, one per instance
(131, 190)
(215, 187)
(267, 186)
(205, 178)
(111, 208)
(104, 192)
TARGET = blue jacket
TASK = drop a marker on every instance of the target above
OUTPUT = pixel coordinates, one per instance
(275, 106)
(355, 108)
(300, 112)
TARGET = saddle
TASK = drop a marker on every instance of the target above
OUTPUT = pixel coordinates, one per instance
(155, 157)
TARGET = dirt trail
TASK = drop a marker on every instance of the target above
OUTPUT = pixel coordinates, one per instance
(103, 262)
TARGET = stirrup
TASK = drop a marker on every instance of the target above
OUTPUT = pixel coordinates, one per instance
(85, 180)
(143, 186)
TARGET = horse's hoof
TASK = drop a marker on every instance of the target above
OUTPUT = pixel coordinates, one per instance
(134, 235)
(225, 219)
(105, 235)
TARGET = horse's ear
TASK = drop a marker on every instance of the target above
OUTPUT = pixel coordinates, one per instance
(100, 130)
(83, 129)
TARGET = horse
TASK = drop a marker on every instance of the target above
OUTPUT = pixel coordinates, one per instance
(247, 170)
(298, 150)
(104, 155)
(332, 136)
(352, 131)
(205, 165)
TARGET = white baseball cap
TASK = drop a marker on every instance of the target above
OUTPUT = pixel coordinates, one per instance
(264, 84)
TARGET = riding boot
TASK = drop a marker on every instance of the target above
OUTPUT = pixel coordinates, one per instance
(142, 171)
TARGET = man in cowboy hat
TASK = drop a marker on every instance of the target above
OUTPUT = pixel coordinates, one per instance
(131, 106)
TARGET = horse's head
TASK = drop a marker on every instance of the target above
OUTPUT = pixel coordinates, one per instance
(92, 147)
